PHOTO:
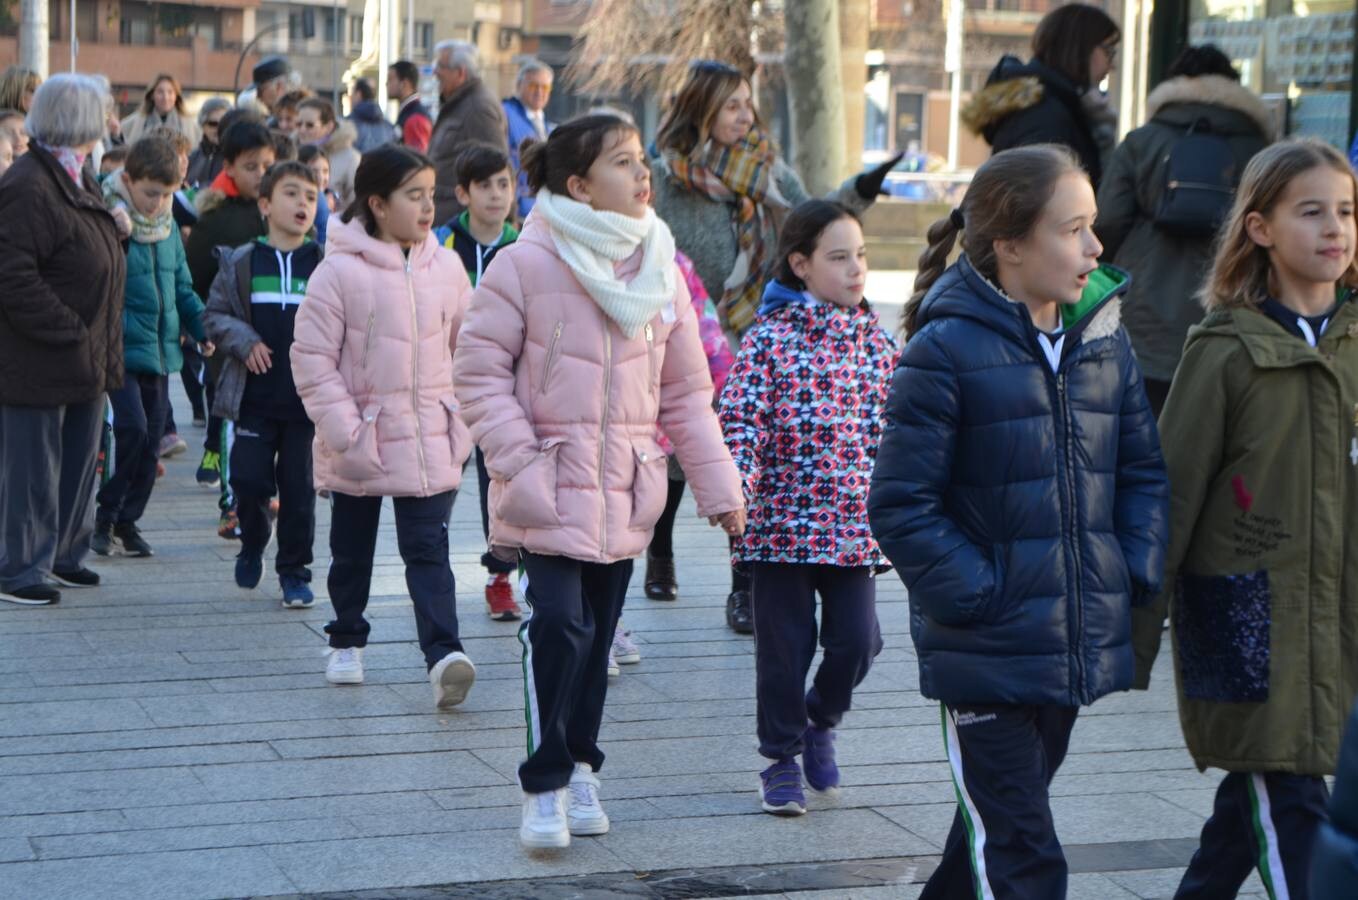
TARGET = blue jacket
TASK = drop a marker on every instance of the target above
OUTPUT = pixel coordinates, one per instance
(158, 298)
(520, 129)
(1026, 509)
(1334, 857)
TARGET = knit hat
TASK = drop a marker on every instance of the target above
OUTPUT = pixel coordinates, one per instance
(269, 68)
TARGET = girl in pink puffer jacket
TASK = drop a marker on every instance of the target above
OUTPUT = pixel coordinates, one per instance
(372, 359)
(579, 341)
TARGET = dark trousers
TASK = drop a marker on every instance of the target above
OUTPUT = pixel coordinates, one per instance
(139, 408)
(194, 375)
(422, 538)
(47, 460)
(783, 598)
(573, 608)
(1260, 821)
(493, 564)
(274, 456)
(1003, 842)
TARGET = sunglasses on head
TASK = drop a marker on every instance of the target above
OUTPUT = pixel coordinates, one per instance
(712, 66)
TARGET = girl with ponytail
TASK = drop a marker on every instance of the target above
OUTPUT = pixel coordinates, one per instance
(1020, 492)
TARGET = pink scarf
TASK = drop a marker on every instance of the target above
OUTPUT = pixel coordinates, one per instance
(71, 160)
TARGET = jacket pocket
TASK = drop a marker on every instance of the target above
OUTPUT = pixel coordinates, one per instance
(553, 349)
(527, 499)
(649, 487)
(1221, 626)
(459, 436)
(993, 608)
(362, 461)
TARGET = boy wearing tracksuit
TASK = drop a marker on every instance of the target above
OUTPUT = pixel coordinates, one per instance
(485, 187)
(251, 311)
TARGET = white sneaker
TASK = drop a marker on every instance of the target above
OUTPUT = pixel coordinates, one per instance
(625, 650)
(613, 670)
(451, 679)
(345, 666)
(544, 821)
(584, 814)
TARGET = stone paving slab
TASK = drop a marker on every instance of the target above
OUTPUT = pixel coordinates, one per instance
(175, 735)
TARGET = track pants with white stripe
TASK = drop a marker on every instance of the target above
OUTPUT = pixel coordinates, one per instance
(1003, 843)
(1265, 821)
(573, 608)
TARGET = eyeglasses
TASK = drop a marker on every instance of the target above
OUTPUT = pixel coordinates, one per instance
(712, 66)
(213, 123)
(1110, 51)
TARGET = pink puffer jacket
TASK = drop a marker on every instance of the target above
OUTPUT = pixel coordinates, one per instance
(565, 408)
(372, 357)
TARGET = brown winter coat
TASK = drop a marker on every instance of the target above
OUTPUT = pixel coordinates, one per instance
(470, 113)
(62, 271)
(1260, 435)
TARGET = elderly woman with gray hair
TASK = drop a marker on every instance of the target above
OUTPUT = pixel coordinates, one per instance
(61, 342)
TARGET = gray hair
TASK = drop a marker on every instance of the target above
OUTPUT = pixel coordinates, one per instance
(461, 55)
(69, 110)
(529, 66)
(210, 106)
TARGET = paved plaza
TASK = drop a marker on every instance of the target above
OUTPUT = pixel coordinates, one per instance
(171, 736)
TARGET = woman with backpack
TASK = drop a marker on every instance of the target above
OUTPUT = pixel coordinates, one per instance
(1204, 126)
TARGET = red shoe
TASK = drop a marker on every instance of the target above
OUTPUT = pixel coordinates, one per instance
(500, 599)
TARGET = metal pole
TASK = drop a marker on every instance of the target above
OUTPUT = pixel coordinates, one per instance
(410, 31)
(33, 37)
(75, 41)
(952, 63)
(338, 33)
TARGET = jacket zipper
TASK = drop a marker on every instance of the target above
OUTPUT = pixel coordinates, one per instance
(650, 355)
(551, 358)
(160, 304)
(368, 341)
(1068, 455)
(415, 376)
(603, 441)
(1200, 185)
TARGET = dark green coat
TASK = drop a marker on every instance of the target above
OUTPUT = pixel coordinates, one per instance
(1260, 435)
(158, 298)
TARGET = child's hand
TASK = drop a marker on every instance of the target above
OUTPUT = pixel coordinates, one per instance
(207, 348)
(733, 522)
(123, 221)
(260, 359)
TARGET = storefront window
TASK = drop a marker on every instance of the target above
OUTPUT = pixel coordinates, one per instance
(1297, 55)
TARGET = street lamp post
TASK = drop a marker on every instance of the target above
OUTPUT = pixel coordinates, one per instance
(952, 64)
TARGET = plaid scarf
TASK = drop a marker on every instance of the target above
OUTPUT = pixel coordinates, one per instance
(742, 176)
(70, 159)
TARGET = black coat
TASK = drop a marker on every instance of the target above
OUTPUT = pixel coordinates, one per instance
(62, 271)
(205, 164)
(1028, 103)
(1025, 510)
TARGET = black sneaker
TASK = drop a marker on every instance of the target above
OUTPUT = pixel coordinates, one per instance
(133, 543)
(33, 595)
(77, 578)
(249, 569)
(101, 542)
(739, 618)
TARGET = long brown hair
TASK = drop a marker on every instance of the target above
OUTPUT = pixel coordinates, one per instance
(14, 83)
(148, 103)
(1003, 203)
(1067, 36)
(688, 123)
(1241, 271)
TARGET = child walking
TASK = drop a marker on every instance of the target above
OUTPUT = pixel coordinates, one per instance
(1260, 433)
(485, 188)
(580, 339)
(372, 359)
(251, 316)
(1020, 492)
(802, 413)
(159, 294)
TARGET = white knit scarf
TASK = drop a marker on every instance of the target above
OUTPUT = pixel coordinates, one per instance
(590, 241)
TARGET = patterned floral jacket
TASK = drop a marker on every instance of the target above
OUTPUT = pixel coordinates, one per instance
(802, 414)
(719, 356)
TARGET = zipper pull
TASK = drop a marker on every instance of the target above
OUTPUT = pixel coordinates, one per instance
(650, 334)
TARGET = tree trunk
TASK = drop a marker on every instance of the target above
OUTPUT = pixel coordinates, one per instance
(33, 37)
(853, 35)
(815, 92)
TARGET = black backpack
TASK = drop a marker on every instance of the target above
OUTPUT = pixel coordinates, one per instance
(1200, 180)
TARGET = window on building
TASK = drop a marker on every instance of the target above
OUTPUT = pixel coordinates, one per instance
(165, 24)
(355, 31)
(424, 38)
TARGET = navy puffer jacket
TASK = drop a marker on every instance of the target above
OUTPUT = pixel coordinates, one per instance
(1026, 510)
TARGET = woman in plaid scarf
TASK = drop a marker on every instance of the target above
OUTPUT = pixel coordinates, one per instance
(722, 188)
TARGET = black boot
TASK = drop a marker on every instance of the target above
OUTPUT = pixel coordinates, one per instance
(739, 618)
(661, 583)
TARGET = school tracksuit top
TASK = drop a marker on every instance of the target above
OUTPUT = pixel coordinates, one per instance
(475, 256)
(278, 281)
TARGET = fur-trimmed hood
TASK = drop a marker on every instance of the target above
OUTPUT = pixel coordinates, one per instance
(1210, 90)
(342, 138)
(1014, 86)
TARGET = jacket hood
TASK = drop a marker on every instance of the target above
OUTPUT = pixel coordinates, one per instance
(342, 138)
(460, 226)
(1174, 101)
(215, 194)
(369, 113)
(963, 292)
(778, 295)
(352, 239)
(1267, 342)
(1014, 86)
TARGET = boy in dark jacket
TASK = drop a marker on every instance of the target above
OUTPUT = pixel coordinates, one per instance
(159, 293)
(485, 186)
(228, 215)
(251, 311)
